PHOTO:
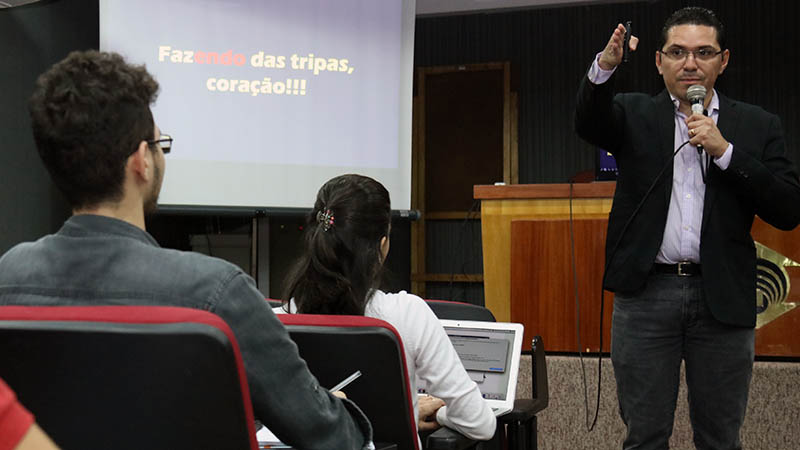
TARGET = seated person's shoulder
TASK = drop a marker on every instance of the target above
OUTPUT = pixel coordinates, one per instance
(197, 276)
(198, 262)
(390, 306)
(401, 298)
(284, 308)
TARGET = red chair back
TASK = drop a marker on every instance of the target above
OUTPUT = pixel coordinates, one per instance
(128, 377)
(336, 346)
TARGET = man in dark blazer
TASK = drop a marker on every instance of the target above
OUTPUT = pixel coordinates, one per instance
(679, 254)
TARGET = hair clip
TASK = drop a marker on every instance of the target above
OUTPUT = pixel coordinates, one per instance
(325, 219)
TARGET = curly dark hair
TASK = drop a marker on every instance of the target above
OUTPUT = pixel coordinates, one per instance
(89, 112)
(693, 15)
(341, 262)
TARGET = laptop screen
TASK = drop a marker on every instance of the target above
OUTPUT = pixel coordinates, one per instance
(486, 355)
(489, 351)
(605, 166)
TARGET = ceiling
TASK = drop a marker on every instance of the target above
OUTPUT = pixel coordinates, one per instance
(444, 7)
(436, 7)
(11, 3)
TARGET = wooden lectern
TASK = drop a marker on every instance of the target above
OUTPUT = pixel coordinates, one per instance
(530, 247)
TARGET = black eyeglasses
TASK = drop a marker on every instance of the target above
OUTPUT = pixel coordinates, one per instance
(165, 141)
(680, 54)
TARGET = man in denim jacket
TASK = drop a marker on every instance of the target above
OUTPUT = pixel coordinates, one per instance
(95, 134)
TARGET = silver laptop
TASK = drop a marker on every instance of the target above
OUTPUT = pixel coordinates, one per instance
(490, 352)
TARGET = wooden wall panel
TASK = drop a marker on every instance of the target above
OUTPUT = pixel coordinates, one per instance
(543, 282)
(527, 266)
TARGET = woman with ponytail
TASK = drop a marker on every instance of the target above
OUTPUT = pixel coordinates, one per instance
(346, 243)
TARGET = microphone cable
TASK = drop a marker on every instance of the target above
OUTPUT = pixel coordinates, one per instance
(578, 313)
(611, 254)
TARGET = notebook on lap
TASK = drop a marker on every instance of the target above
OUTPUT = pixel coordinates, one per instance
(490, 352)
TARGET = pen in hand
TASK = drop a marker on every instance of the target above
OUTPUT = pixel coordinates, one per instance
(346, 381)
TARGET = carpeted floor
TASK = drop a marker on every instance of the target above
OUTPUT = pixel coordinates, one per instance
(772, 422)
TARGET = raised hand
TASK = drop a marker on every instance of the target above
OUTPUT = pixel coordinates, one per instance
(612, 54)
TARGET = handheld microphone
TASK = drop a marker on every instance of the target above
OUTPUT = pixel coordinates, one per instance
(697, 97)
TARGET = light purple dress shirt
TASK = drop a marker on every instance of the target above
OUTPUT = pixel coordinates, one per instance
(681, 241)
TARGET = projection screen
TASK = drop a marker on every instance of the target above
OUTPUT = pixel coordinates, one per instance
(266, 100)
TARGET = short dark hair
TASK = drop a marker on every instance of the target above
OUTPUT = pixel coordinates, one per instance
(693, 15)
(89, 112)
(341, 265)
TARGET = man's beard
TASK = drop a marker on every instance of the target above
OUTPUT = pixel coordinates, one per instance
(151, 203)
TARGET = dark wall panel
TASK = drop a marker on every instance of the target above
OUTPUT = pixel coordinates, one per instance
(32, 38)
(460, 292)
(550, 49)
(457, 244)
